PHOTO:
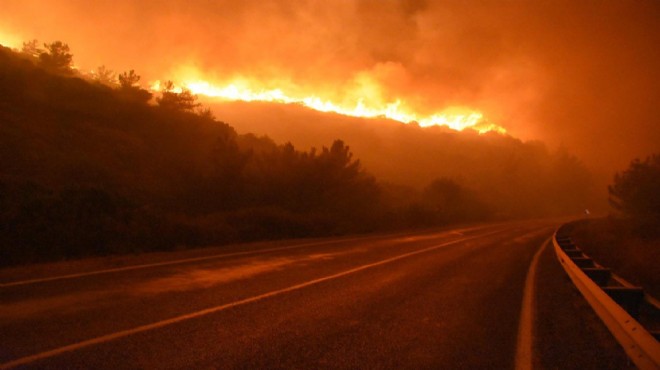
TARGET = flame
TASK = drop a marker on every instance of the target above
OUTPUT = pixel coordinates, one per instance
(366, 106)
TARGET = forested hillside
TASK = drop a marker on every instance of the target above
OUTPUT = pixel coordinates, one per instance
(518, 178)
(90, 166)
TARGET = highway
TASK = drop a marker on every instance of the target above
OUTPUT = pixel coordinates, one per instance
(450, 298)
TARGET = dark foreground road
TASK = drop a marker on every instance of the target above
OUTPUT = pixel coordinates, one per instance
(448, 299)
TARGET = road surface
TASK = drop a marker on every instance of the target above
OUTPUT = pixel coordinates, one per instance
(443, 299)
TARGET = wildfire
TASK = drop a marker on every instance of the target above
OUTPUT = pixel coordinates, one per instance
(9, 40)
(242, 90)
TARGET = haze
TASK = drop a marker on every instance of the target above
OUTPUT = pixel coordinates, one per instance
(579, 74)
(329, 184)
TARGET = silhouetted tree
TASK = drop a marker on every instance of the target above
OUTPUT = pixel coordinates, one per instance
(57, 57)
(636, 191)
(184, 101)
(206, 113)
(105, 76)
(129, 80)
(129, 87)
(32, 48)
(340, 186)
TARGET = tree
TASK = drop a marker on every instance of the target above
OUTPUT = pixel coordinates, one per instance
(336, 183)
(206, 113)
(338, 163)
(636, 191)
(57, 57)
(31, 48)
(105, 76)
(129, 80)
(130, 89)
(184, 100)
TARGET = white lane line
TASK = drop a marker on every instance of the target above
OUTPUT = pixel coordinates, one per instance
(193, 259)
(159, 324)
(167, 263)
(525, 345)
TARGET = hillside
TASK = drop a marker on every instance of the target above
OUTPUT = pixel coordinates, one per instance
(518, 178)
(89, 169)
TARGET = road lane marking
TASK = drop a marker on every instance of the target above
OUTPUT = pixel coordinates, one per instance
(168, 263)
(524, 346)
(197, 259)
(159, 324)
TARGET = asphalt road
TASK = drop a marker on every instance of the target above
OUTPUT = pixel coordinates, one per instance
(444, 299)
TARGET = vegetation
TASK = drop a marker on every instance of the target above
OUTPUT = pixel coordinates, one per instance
(629, 242)
(91, 165)
(636, 194)
(516, 179)
(617, 244)
(57, 57)
(183, 100)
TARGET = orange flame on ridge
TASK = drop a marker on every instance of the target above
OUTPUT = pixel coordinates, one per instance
(241, 90)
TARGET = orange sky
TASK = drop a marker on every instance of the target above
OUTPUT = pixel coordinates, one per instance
(583, 74)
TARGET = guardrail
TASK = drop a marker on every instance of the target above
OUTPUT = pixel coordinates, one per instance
(615, 305)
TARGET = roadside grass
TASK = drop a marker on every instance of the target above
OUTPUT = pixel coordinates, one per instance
(616, 243)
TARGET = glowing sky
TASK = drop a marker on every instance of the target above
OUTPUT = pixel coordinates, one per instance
(583, 74)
